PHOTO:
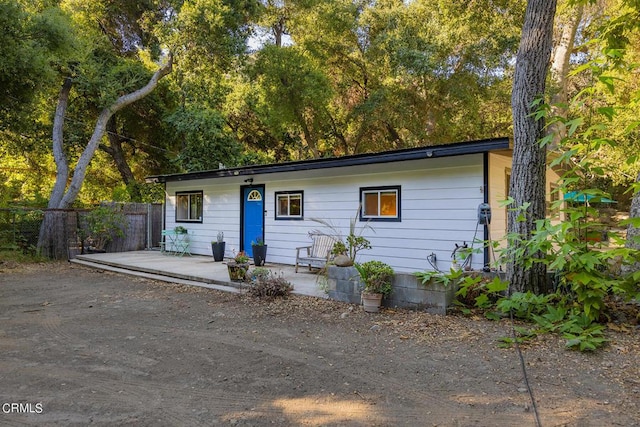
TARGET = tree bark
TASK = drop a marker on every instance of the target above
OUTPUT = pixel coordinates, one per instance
(114, 149)
(527, 186)
(59, 156)
(566, 27)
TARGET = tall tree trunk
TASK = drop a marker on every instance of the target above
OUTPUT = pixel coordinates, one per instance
(114, 149)
(308, 135)
(527, 186)
(59, 156)
(99, 130)
(279, 30)
(566, 27)
(50, 240)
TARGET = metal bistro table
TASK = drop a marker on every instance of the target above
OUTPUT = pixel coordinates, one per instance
(175, 243)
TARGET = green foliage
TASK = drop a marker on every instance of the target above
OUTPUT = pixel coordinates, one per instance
(339, 248)
(376, 276)
(479, 291)
(551, 313)
(101, 225)
(357, 243)
(260, 273)
(524, 305)
(453, 277)
(589, 270)
(293, 94)
(19, 229)
(241, 257)
(358, 77)
(32, 43)
(14, 256)
(587, 273)
(582, 334)
(206, 141)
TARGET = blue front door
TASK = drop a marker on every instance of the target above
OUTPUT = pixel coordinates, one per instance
(252, 217)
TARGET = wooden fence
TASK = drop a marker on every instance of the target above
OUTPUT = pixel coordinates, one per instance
(142, 230)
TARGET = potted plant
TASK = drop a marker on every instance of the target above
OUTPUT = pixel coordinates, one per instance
(340, 257)
(346, 250)
(376, 277)
(259, 252)
(180, 230)
(217, 247)
(238, 267)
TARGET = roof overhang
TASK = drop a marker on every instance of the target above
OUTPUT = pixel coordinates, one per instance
(434, 151)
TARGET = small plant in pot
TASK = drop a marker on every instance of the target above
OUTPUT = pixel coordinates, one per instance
(217, 247)
(340, 257)
(376, 277)
(259, 252)
(238, 267)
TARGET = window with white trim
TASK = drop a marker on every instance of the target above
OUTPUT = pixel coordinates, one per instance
(289, 205)
(380, 203)
(189, 206)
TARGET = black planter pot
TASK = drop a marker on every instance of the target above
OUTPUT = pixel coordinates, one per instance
(218, 250)
(259, 254)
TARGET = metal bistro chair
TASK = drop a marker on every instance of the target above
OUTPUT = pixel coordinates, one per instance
(166, 241)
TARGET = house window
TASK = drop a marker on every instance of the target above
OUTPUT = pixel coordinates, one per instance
(189, 206)
(380, 203)
(289, 205)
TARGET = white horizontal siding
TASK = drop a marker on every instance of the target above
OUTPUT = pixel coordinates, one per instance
(439, 199)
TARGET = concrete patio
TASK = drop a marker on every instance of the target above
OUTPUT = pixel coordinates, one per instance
(195, 270)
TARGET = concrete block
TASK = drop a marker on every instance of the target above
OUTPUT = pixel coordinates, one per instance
(346, 286)
(408, 292)
(342, 273)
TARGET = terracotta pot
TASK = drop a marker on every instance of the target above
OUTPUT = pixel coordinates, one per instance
(371, 302)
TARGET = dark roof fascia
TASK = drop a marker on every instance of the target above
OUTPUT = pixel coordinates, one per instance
(434, 151)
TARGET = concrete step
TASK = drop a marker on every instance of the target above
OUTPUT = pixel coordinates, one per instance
(154, 276)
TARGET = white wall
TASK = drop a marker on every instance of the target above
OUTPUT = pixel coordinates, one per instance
(439, 200)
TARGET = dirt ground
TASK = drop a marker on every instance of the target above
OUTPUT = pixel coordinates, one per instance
(84, 347)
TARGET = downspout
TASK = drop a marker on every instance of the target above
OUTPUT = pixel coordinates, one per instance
(164, 207)
(485, 166)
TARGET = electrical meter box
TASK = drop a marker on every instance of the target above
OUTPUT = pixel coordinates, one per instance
(484, 214)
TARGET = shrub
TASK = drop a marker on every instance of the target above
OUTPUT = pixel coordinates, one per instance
(268, 285)
(376, 277)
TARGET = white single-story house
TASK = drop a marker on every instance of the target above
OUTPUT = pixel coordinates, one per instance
(415, 203)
